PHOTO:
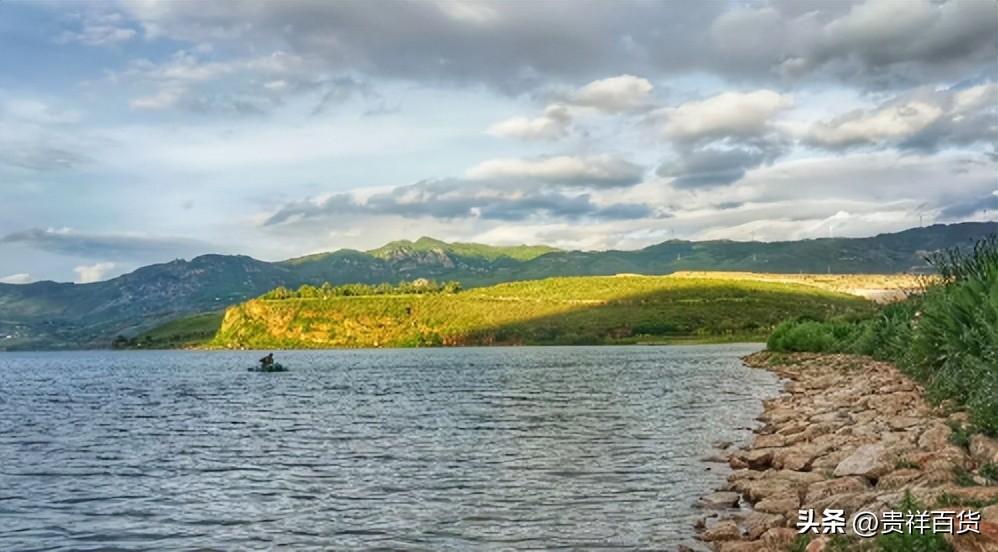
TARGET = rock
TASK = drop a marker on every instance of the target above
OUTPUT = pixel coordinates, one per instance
(818, 544)
(935, 437)
(758, 459)
(983, 450)
(832, 487)
(722, 445)
(898, 479)
(719, 500)
(714, 459)
(737, 546)
(757, 523)
(779, 538)
(902, 422)
(736, 463)
(778, 503)
(768, 441)
(868, 461)
(723, 531)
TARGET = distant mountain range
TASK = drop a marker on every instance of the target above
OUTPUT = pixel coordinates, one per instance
(64, 315)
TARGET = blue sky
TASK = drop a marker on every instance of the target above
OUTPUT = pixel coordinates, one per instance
(135, 132)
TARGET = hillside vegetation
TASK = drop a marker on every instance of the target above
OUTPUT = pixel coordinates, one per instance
(583, 310)
(946, 337)
(64, 315)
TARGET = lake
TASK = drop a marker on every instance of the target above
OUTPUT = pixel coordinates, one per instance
(416, 449)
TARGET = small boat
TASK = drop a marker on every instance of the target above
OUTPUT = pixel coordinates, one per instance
(275, 367)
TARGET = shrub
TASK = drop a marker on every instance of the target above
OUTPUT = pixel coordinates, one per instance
(947, 337)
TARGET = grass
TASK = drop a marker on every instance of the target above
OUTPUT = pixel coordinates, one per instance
(555, 311)
(946, 337)
(177, 334)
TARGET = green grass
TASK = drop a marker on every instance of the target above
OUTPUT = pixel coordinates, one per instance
(554, 311)
(185, 332)
(947, 337)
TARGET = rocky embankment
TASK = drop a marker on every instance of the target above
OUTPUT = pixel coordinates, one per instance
(854, 434)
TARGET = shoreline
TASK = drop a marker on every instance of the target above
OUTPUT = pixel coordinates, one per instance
(851, 433)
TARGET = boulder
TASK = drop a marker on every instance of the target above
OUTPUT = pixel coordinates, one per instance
(832, 487)
(722, 531)
(719, 500)
(869, 461)
(778, 503)
(897, 479)
(757, 523)
(935, 437)
(983, 449)
(779, 538)
(757, 459)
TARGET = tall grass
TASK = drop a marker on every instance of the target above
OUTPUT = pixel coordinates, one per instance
(947, 337)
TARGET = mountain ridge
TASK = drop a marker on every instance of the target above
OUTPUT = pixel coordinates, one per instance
(64, 315)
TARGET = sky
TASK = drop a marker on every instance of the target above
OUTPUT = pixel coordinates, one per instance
(137, 131)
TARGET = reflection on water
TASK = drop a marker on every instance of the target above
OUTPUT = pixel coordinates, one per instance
(432, 449)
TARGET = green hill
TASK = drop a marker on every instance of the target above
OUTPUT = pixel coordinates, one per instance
(47, 315)
(583, 310)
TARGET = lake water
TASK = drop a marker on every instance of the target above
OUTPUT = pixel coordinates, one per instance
(431, 449)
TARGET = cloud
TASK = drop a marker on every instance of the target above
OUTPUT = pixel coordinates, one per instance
(105, 246)
(712, 166)
(553, 124)
(922, 119)
(519, 46)
(22, 278)
(598, 171)
(87, 274)
(450, 199)
(872, 44)
(615, 94)
(39, 156)
(98, 29)
(726, 115)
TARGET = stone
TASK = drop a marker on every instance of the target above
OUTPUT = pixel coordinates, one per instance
(898, 479)
(722, 531)
(736, 463)
(819, 544)
(983, 450)
(778, 503)
(935, 437)
(832, 487)
(868, 461)
(779, 538)
(719, 500)
(757, 523)
(758, 459)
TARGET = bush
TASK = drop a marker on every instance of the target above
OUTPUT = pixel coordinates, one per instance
(947, 338)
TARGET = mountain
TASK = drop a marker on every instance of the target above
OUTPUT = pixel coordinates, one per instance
(62, 315)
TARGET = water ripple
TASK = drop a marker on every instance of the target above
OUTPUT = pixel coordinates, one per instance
(444, 449)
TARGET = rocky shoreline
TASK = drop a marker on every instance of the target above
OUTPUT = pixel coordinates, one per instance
(854, 434)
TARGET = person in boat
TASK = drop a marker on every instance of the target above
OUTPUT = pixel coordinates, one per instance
(267, 361)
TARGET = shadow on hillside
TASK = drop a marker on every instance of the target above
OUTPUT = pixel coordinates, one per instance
(716, 312)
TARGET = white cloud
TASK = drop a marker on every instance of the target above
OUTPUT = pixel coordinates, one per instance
(87, 274)
(923, 118)
(22, 278)
(615, 94)
(163, 99)
(870, 128)
(597, 170)
(551, 125)
(99, 29)
(729, 114)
